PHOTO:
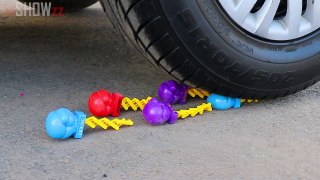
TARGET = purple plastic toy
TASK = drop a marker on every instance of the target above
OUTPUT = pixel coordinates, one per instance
(172, 92)
(158, 113)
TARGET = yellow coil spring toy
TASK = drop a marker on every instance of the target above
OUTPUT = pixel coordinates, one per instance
(194, 111)
(135, 104)
(197, 92)
(104, 123)
(203, 94)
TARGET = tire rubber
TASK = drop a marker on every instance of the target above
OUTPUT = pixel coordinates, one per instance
(197, 43)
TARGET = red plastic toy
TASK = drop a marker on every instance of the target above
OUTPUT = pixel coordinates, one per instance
(104, 103)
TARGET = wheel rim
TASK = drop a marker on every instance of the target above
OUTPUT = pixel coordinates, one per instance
(275, 19)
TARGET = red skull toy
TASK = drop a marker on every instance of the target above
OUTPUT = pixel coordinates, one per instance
(104, 103)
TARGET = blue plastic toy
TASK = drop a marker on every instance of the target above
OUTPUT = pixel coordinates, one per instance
(223, 103)
(62, 124)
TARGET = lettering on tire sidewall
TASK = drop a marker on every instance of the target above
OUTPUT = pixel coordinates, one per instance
(230, 67)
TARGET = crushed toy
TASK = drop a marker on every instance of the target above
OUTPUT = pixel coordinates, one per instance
(173, 92)
(62, 123)
(219, 102)
(157, 112)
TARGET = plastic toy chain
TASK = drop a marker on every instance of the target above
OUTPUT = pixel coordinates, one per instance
(104, 103)
(135, 104)
(199, 110)
(104, 123)
(157, 112)
(63, 123)
(249, 101)
(204, 94)
(173, 92)
(197, 92)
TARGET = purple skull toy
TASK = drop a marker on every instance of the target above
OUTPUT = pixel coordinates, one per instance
(158, 113)
(172, 92)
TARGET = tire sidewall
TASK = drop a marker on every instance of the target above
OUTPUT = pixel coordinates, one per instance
(243, 61)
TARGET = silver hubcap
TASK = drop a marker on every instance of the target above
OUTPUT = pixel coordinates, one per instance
(263, 23)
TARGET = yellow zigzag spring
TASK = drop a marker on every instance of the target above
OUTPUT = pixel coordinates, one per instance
(202, 94)
(104, 123)
(194, 111)
(196, 92)
(135, 103)
(249, 101)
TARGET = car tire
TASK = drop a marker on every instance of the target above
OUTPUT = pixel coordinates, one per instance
(199, 44)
